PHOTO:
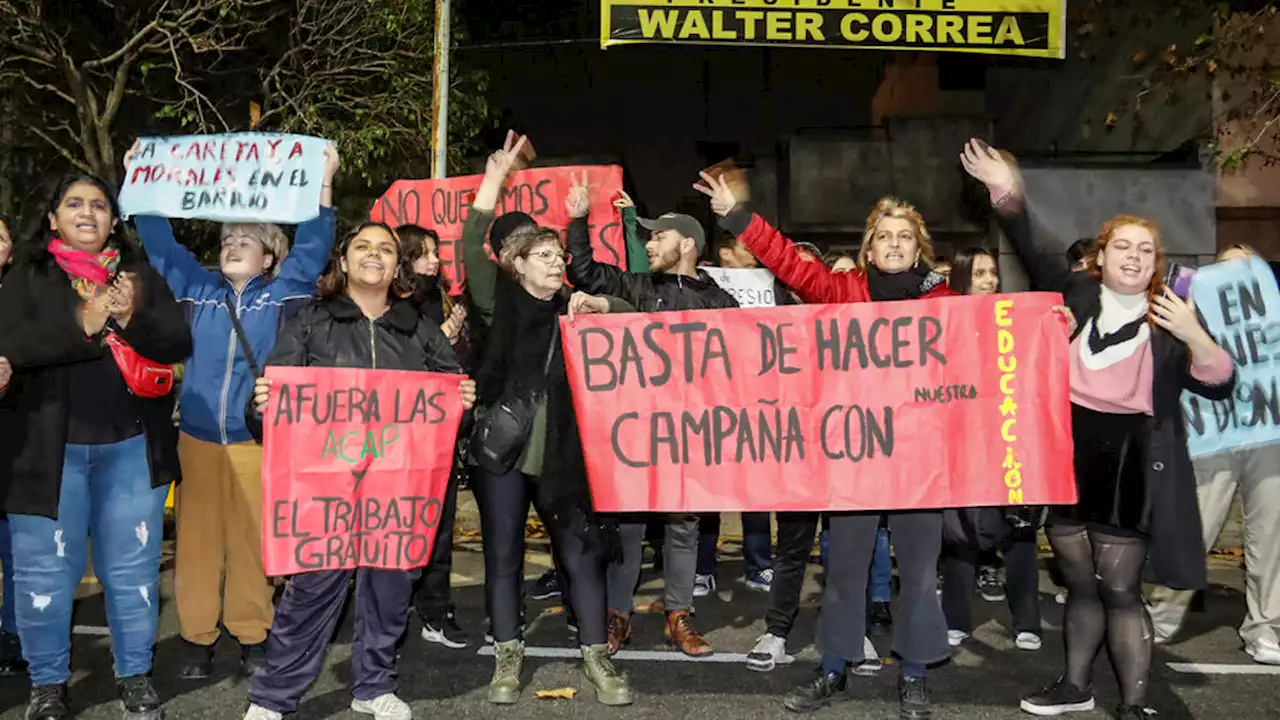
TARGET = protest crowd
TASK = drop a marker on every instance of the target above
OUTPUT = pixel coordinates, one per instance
(357, 342)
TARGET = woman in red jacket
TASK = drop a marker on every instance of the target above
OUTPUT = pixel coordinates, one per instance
(894, 263)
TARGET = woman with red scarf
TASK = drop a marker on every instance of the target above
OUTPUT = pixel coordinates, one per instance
(92, 449)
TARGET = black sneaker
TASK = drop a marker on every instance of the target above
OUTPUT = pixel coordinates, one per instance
(444, 630)
(571, 620)
(989, 585)
(139, 698)
(545, 587)
(11, 660)
(48, 702)
(197, 663)
(1058, 699)
(913, 698)
(880, 614)
(1135, 712)
(253, 658)
(824, 689)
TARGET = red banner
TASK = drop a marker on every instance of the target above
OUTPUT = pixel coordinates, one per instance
(442, 205)
(874, 406)
(355, 467)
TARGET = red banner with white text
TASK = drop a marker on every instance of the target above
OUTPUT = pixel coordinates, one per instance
(875, 406)
(355, 467)
(442, 205)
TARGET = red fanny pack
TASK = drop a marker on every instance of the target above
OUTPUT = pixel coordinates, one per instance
(145, 378)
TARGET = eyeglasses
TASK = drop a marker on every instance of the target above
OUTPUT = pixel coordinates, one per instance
(548, 257)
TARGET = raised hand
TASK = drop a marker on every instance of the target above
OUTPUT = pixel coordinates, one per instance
(578, 202)
(1179, 318)
(624, 201)
(502, 162)
(988, 166)
(133, 152)
(332, 161)
(722, 199)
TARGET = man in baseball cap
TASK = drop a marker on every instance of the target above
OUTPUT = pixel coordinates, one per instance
(672, 237)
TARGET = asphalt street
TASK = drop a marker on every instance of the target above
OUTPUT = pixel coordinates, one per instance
(983, 681)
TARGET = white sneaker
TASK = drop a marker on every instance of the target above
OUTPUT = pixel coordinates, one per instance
(1061, 598)
(703, 585)
(257, 712)
(383, 707)
(1028, 641)
(871, 662)
(768, 652)
(1266, 652)
(955, 637)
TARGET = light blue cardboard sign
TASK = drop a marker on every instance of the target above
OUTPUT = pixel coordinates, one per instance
(1240, 304)
(240, 177)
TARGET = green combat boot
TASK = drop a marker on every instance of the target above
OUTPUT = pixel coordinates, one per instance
(508, 658)
(597, 666)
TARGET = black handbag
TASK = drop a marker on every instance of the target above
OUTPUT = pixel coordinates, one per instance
(975, 528)
(502, 430)
(252, 418)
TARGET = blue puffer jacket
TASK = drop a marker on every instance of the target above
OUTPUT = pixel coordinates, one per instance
(217, 381)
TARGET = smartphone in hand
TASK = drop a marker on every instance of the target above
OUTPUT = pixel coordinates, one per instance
(1179, 279)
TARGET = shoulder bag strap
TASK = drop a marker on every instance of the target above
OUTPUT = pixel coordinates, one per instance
(244, 341)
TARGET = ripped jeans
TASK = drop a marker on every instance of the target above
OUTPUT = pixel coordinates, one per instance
(106, 493)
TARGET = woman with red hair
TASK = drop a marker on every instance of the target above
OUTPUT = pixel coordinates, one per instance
(1136, 347)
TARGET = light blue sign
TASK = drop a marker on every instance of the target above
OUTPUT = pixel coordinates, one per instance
(240, 177)
(1240, 304)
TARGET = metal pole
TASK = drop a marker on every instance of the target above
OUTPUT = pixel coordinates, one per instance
(440, 86)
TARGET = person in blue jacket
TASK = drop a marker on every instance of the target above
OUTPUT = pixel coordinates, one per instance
(219, 501)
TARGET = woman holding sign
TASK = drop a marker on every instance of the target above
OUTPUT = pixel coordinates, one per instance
(526, 441)
(358, 321)
(235, 315)
(894, 263)
(1137, 347)
(90, 330)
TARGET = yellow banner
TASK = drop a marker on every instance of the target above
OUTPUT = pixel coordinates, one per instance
(1030, 28)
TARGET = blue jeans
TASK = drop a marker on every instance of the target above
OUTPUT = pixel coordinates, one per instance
(880, 585)
(106, 493)
(8, 623)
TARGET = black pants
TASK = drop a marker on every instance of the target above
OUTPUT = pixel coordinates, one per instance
(580, 568)
(790, 559)
(1022, 583)
(431, 597)
(919, 628)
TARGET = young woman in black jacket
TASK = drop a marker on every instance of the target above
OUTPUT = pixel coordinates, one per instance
(11, 662)
(1137, 346)
(431, 598)
(84, 455)
(359, 321)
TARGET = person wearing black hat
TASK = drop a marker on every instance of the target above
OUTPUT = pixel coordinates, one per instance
(673, 283)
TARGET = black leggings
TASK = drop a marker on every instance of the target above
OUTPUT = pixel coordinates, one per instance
(1103, 575)
(503, 511)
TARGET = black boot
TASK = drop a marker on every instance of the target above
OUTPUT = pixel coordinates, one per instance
(253, 658)
(824, 689)
(11, 661)
(48, 702)
(139, 698)
(913, 696)
(1134, 712)
(197, 661)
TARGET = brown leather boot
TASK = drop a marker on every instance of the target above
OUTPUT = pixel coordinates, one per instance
(680, 633)
(619, 631)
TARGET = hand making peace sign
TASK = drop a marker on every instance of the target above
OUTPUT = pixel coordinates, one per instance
(722, 199)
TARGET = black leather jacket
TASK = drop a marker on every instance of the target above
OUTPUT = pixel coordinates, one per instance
(333, 332)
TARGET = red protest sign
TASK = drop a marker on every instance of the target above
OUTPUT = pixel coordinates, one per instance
(442, 205)
(873, 406)
(355, 467)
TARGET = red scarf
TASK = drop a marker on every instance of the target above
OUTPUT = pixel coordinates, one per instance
(88, 272)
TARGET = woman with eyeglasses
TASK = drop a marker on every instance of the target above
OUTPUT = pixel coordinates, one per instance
(519, 300)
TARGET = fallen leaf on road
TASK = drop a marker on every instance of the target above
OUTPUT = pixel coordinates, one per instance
(557, 694)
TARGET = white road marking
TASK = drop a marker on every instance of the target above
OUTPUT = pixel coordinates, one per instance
(1224, 669)
(91, 630)
(651, 655)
